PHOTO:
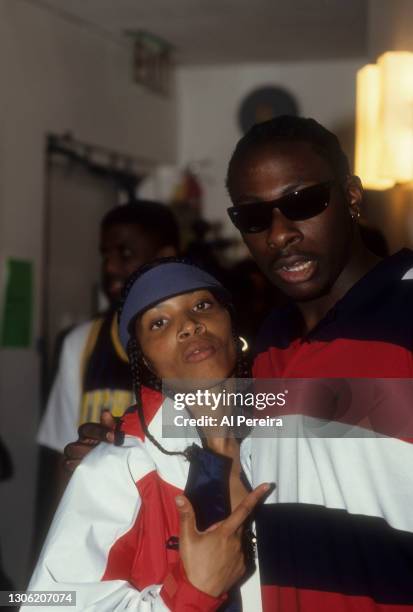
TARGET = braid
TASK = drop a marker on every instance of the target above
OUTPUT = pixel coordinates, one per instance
(135, 361)
(290, 129)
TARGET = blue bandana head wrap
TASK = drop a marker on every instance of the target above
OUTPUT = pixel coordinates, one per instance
(160, 283)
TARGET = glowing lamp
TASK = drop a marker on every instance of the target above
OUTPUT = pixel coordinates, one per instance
(384, 121)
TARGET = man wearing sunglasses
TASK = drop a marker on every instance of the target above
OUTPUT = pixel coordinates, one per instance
(337, 532)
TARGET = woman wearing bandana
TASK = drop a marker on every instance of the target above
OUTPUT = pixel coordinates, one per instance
(124, 536)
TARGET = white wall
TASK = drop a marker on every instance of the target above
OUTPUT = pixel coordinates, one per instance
(55, 76)
(209, 98)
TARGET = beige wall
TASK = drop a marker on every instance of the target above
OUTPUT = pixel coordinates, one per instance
(208, 104)
(56, 76)
(390, 25)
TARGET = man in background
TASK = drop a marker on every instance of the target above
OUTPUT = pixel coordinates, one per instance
(93, 373)
(93, 379)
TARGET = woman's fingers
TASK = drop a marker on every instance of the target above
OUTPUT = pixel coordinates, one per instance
(214, 559)
(212, 527)
(244, 509)
(231, 524)
(186, 517)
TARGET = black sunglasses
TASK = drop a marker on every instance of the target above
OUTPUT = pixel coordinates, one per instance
(296, 206)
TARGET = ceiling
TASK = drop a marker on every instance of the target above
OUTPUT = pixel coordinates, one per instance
(232, 31)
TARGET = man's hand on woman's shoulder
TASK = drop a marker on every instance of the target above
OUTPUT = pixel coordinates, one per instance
(90, 434)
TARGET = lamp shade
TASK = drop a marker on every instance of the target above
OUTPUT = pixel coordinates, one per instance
(396, 70)
(384, 121)
(369, 141)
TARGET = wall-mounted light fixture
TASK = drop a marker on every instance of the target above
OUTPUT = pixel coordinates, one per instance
(384, 121)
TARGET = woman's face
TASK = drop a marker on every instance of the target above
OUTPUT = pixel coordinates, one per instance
(188, 336)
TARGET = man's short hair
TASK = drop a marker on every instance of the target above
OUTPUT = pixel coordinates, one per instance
(288, 128)
(155, 219)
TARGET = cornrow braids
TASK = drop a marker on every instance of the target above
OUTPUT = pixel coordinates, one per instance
(141, 374)
(136, 366)
(286, 128)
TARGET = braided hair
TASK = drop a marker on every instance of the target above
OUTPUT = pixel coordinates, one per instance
(287, 128)
(142, 375)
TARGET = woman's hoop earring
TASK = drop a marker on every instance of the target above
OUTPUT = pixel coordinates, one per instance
(244, 344)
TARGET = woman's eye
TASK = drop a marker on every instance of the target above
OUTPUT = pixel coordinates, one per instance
(157, 324)
(204, 305)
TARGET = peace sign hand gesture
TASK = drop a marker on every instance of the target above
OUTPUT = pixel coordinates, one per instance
(214, 559)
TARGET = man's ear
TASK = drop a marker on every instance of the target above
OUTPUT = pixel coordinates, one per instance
(167, 251)
(354, 192)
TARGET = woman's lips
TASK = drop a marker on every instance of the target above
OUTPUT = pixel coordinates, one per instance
(297, 271)
(198, 352)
